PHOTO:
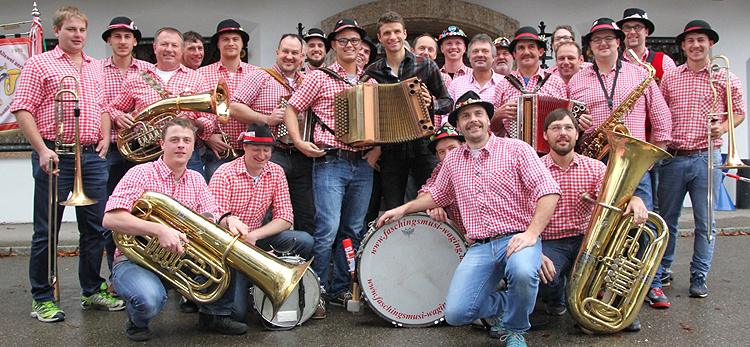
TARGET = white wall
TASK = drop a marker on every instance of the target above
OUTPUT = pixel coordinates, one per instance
(266, 21)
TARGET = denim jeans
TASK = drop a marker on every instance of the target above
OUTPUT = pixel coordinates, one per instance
(91, 240)
(212, 163)
(679, 176)
(645, 192)
(298, 170)
(118, 166)
(399, 161)
(290, 241)
(471, 294)
(563, 253)
(196, 163)
(341, 188)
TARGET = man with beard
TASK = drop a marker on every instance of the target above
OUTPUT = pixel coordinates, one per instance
(482, 79)
(568, 61)
(317, 47)
(503, 62)
(193, 55)
(453, 43)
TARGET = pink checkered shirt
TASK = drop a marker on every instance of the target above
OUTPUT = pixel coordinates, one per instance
(261, 92)
(113, 80)
(40, 81)
(317, 91)
(666, 62)
(556, 72)
(212, 73)
(463, 84)
(572, 215)
(497, 192)
(441, 119)
(689, 97)
(463, 71)
(191, 189)
(136, 95)
(451, 209)
(585, 87)
(236, 192)
(505, 92)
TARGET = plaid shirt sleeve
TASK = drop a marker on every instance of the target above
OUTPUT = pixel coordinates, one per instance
(658, 113)
(29, 88)
(129, 189)
(220, 187)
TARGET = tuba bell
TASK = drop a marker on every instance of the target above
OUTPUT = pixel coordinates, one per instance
(611, 259)
(140, 142)
(210, 252)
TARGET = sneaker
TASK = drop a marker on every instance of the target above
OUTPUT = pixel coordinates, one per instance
(555, 310)
(135, 333)
(224, 325)
(46, 311)
(187, 306)
(102, 301)
(111, 290)
(498, 329)
(666, 277)
(320, 312)
(514, 339)
(341, 299)
(483, 323)
(633, 327)
(657, 299)
(698, 288)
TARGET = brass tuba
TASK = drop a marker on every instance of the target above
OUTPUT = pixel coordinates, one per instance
(140, 142)
(209, 253)
(612, 259)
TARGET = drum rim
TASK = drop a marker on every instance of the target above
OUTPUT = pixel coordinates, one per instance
(290, 259)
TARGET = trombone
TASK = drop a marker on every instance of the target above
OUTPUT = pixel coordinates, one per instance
(78, 198)
(733, 158)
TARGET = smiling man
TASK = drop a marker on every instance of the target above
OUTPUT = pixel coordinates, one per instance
(317, 47)
(568, 60)
(503, 62)
(482, 79)
(637, 27)
(193, 56)
(453, 44)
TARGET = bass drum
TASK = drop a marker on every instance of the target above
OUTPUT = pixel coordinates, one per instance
(294, 311)
(405, 269)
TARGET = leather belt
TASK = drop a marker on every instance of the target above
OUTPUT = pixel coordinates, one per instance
(496, 237)
(287, 150)
(342, 153)
(686, 152)
(84, 149)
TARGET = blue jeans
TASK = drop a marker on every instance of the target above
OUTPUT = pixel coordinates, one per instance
(118, 166)
(471, 295)
(195, 163)
(563, 253)
(298, 170)
(292, 241)
(645, 192)
(341, 189)
(91, 240)
(679, 176)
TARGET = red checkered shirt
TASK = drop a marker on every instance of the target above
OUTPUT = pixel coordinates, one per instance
(505, 91)
(463, 84)
(261, 92)
(113, 80)
(556, 72)
(689, 97)
(463, 71)
(585, 87)
(136, 95)
(572, 215)
(317, 91)
(666, 62)
(40, 81)
(497, 192)
(451, 209)
(236, 192)
(190, 190)
(212, 73)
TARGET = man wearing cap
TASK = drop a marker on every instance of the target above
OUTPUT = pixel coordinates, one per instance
(603, 86)
(367, 53)
(503, 61)
(193, 55)
(506, 197)
(258, 101)
(482, 79)
(342, 175)
(317, 47)
(688, 171)
(248, 187)
(122, 35)
(230, 38)
(636, 26)
(446, 139)
(453, 44)
(35, 111)
(168, 78)
(568, 61)
(530, 78)
(140, 287)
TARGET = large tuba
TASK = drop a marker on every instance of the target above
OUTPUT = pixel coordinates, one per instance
(209, 253)
(595, 145)
(140, 142)
(612, 259)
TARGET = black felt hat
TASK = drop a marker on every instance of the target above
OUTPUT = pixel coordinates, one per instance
(698, 26)
(315, 33)
(373, 49)
(470, 98)
(258, 134)
(638, 15)
(346, 24)
(121, 23)
(502, 42)
(229, 26)
(603, 24)
(526, 33)
(445, 132)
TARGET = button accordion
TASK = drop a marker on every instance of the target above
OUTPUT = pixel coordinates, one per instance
(532, 111)
(305, 121)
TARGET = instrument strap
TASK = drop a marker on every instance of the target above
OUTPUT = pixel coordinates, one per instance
(163, 92)
(335, 75)
(280, 78)
(610, 96)
(514, 81)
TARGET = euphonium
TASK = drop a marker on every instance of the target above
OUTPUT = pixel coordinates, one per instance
(209, 253)
(612, 259)
(595, 145)
(140, 142)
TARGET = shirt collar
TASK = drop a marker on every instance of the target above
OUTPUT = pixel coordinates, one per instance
(275, 67)
(239, 169)
(336, 67)
(59, 53)
(165, 172)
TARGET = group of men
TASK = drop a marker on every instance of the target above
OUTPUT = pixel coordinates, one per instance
(521, 212)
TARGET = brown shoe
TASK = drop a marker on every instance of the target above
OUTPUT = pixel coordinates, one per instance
(320, 312)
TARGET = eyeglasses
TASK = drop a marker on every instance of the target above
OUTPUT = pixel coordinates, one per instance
(637, 28)
(563, 38)
(598, 40)
(557, 128)
(354, 41)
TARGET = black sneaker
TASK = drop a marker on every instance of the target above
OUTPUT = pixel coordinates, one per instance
(657, 299)
(698, 288)
(341, 299)
(187, 306)
(224, 325)
(135, 333)
(666, 277)
(554, 310)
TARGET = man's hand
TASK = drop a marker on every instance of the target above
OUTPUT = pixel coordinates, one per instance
(309, 149)
(438, 214)
(44, 157)
(216, 143)
(124, 121)
(235, 226)
(276, 116)
(391, 216)
(508, 110)
(718, 129)
(372, 157)
(547, 271)
(426, 96)
(585, 120)
(102, 147)
(170, 239)
(639, 210)
(519, 242)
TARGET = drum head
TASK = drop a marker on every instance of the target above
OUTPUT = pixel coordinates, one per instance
(405, 269)
(289, 315)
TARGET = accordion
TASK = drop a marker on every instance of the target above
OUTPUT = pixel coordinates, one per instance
(305, 121)
(373, 114)
(532, 111)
